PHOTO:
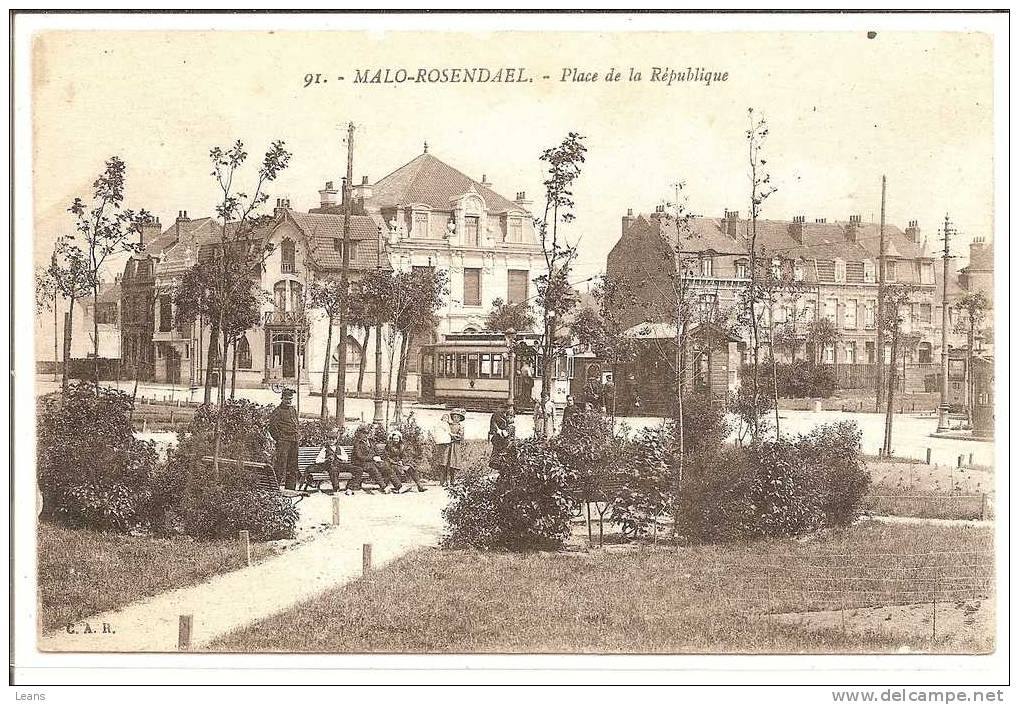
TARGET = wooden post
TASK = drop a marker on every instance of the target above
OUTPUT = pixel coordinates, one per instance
(960, 461)
(184, 632)
(928, 456)
(366, 558)
(336, 511)
(245, 537)
(590, 536)
(983, 504)
(971, 460)
(934, 608)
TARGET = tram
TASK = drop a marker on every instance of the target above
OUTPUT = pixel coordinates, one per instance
(472, 370)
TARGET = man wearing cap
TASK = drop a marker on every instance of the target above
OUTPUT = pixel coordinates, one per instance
(283, 427)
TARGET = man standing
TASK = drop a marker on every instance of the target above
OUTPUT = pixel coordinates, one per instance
(283, 427)
(569, 411)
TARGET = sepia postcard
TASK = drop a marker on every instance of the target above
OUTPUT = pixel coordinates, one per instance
(521, 347)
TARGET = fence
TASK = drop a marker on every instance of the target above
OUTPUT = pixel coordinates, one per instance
(780, 587)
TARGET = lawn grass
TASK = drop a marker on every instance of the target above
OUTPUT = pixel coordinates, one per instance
(915, 489)
(82, 573)
(702, 599)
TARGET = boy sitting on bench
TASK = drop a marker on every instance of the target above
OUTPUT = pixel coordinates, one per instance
(367, 459)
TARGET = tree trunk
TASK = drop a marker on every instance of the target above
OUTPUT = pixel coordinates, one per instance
(774, 375)
(887, 450)
(95, 334)
(401, 375)
(221, 391)
(969, 372)
(68, 326)
(323, 411)
(213, 347)
(363, 362)
(378, 410)
(56, 344)
(233, 368)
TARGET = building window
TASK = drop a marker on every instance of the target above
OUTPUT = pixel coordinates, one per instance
(868, 314)
(707, 267)
(889, 270)
(165, 314)
(288, 256)
(706, 306)
(851, 352)
(925, 313)
(869, 346)
(924, 353)
(840, 271)
(338, 246)
(288, 296)
(741, 269)
(831, 308)
(516, 289)
(868, 271)
(243, 353)
(472, 286)
(420, 225)
(849, 314)
(776, 268)
(515, 230)
(829, 354)
(471, 229)
(798, 271)
(107, 313)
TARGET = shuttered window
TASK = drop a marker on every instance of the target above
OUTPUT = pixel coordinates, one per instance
(472, 286)
(516, 291)
(471, 230)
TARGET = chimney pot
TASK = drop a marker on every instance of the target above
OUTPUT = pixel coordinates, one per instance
(364, 180)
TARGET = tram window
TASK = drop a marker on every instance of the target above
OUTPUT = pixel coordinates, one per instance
(498, 370)
(427, 364)
(472, 365)
(461, 365)
(486, 365)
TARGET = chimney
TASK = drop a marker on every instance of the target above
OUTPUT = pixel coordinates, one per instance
(852, 227)
(521, 200)
(149, 231)
(627, 220)
(913, 231)
(485, 182)
(362, 190)
(730, 223)
(821, 221)
(659, 213)
(328, 196)
(796, 228)
(281, 207)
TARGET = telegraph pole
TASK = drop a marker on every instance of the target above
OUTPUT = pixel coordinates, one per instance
(880, 353)
(943, 408)
(341, 373)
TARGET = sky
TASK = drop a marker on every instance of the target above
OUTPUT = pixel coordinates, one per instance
(842, 110)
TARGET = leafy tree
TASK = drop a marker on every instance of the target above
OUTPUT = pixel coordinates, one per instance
(47, 290)
(821, 334)
(556, 297)
(419, 295)
(972, 310)
(504, 316)
(325, 294)
(377, 299)
(71, 278)
(106, 229)
(358, 316)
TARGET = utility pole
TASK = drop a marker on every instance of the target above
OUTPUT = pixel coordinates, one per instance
(943, 408)
(341, 372)
(880, 353)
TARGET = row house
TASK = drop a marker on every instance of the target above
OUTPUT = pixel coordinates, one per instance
(828, 269)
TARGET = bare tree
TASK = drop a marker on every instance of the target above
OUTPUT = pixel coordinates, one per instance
(106, 229)
(895, 300)
(972, 309)
(556, 297)
(325, 294)
(71, 277)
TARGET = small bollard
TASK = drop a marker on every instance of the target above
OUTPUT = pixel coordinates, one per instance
(366, 558)
(184, 633)
(928, 456)
(960, 461)
(245, 537)
(336, 511)
(971, 460)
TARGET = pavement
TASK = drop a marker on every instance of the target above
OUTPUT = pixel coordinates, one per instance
(393, 525)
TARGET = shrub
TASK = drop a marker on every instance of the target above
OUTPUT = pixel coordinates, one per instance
(647, 492)
(92, 472)
(526, 507)
(776, 489)
(587, 445)
(221, 511)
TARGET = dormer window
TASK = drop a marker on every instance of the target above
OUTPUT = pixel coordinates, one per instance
(420, 225)
(840, 271)
(742, 269)
(707, 266)
(868, 272)
(776, 268)
(288, 257)
(798, 271)
(515, 230)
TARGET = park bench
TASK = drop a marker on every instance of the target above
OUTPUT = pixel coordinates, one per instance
(313, 474)
(261, 475)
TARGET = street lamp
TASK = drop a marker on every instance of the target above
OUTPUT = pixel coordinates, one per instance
(510, 335)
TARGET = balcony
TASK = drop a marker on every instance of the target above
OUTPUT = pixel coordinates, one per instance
(285, 318)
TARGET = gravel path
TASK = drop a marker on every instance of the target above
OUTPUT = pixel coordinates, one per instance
(394, 525)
